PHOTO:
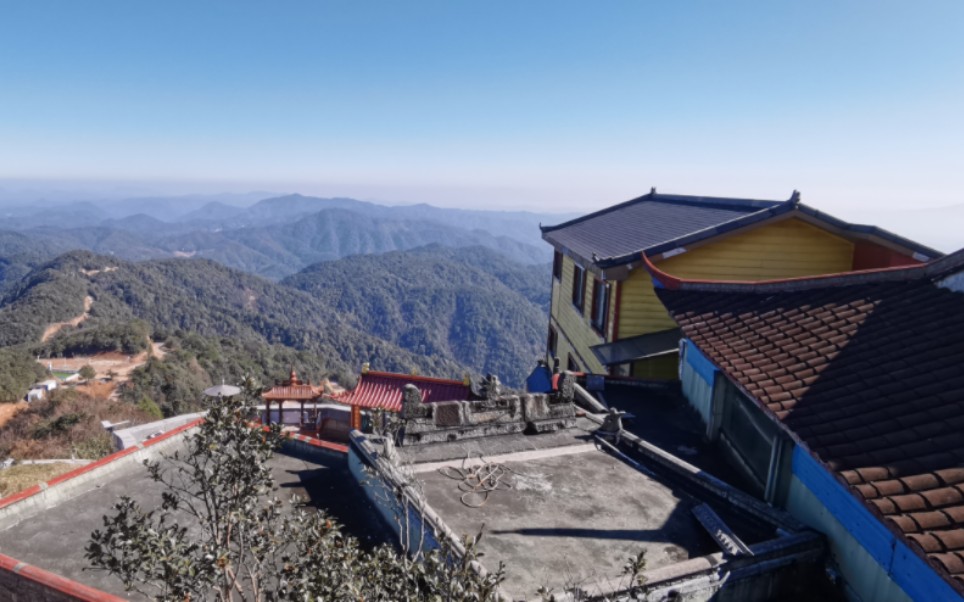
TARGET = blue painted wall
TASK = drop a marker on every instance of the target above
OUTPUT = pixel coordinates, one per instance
(895, 561)
(696, 378)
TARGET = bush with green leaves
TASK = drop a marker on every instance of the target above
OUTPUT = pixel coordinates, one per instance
(18, 370)
(222, 533)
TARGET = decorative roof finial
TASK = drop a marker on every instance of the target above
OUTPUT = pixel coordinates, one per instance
(293, 377)
(795, 198)
(652, 190)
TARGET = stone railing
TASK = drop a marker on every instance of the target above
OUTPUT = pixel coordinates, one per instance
(502, 415)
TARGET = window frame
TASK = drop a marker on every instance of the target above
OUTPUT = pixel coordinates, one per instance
(557, 266)
(579, 287)
(599, 314)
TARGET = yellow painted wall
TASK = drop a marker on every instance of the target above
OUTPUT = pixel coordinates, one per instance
(576, 335)
(783, 249)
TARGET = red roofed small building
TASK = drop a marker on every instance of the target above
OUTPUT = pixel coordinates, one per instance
(841, 399)
(293, 392)
(383, 390)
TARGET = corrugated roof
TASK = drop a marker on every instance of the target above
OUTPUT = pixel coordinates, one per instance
(638, 347)
(866, 370)
(383, 390)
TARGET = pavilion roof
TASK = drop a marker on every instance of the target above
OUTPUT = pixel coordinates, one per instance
(293, 390)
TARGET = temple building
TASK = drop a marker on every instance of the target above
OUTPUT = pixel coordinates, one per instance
(330, 413)
(604, 314)
(384, 390)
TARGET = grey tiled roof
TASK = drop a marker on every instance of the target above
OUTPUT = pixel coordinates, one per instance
(656, 223)
(646, 222)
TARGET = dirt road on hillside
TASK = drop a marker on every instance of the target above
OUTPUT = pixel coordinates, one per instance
(58, 326)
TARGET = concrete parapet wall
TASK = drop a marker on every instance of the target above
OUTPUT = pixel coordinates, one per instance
(34, 500)
(22, 582)
(401, 507)
(454, 420)
(315, 450)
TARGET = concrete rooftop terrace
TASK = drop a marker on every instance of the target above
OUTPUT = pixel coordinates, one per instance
(573, 511)
(51, 533)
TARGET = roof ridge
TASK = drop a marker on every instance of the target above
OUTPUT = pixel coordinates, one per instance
(414, 377)
(869, 229)
(681, 199)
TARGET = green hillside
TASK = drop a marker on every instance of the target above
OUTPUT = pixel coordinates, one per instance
(469, 304)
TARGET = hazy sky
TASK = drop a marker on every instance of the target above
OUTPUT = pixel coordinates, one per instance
(542, 105)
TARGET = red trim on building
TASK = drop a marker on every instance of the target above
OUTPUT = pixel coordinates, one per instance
(868, 256)
(671, 282)
(619, 304)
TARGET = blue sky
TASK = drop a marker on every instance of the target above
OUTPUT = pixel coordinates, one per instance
(542, 105)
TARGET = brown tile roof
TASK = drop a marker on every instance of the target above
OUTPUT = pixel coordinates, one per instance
(867, 369)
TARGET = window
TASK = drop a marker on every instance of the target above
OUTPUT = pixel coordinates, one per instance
(557, 266)
(552, 342)
(600, 305)
(579, 287)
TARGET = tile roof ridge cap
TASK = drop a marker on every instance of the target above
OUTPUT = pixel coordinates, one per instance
(652, 195)
(946, 264)
(870, 229)
(412, 377)
(702, 200)
(649, 195)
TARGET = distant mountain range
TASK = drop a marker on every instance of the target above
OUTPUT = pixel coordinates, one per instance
(237, 287)
(273, 237)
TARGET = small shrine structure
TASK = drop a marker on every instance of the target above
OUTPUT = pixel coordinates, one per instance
(289, 394)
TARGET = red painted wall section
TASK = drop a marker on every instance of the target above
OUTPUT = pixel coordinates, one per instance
(868, 256)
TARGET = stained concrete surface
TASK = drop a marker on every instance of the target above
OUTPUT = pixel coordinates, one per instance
(572, 518)
(55, 539)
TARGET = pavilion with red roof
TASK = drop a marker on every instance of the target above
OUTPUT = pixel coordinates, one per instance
(292, 390)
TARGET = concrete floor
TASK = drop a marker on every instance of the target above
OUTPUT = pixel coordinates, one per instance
(55, 539)
(572, 518)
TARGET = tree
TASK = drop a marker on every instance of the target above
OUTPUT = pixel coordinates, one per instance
(87, 372)
(220, 533)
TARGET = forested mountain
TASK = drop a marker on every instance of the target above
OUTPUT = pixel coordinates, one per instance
(331, 234)
(426, 310)
(442, 291)
(197, 296)
(472, 304)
